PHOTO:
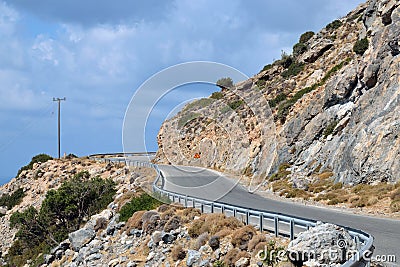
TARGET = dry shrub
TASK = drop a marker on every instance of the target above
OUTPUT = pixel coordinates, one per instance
(135, 222)
(152, 224)
(325, 175)
(173, 223)
(163, 208)
(361, 202)
(189, 214)
(257, 239)
(259, 247)
(320, 185)
(230, 257)
(166, 215)
(242, 236)
(125, 198)
(178, 253)
(280, 185)
(213, 223)
(296, 193)
(372, 200)
(234, 255)
(148, 214)
(395, 206)
(224, 232)
(337, 186)
(201, 241)
(395, 196)
(101, 224)
(216, 222)
(194, 228)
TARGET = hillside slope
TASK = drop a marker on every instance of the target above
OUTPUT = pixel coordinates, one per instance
(334, 107)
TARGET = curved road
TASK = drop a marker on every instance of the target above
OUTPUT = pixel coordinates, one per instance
(210, 185)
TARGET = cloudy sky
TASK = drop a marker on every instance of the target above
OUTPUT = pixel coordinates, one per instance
(96, 53)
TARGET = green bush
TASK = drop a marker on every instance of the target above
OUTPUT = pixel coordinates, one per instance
(361, 46)
(278, 99)
(267, 67)
(299, 49)
(235, 104)
(63, 211)
(334, 25)
(38, 158)
(306, 36)
(294, 69)
(281, 174)
(187, 117)
(12, 200)
(217, 95)
(330, 127)
(143, 202)
(260, 83)
(225, 82)
(286, 60)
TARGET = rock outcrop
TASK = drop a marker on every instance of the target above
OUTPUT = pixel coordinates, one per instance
(322, 245)
(340, 113)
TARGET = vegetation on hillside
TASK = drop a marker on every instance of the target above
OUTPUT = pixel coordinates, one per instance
(324, 189)
(13, 199)
(36, 159)
(361, 46)
(142, 202)
(63, 211)
(285, 107)
(226, 82)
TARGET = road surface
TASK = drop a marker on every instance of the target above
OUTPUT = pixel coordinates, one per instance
(210, 185)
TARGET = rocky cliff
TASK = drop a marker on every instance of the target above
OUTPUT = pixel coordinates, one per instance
(331, 105)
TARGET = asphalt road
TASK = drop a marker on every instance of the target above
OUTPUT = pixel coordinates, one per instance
(210, 185)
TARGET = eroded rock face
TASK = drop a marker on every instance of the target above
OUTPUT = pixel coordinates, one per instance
(360, 95)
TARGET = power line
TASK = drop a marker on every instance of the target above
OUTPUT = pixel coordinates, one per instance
(59, 123)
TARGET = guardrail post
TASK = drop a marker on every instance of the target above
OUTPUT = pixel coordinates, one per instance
(276, 228)
(193, 203)
(234, 213)
(247, 217)
(186, 201)
(173, 198)
(212, 207)
(202, 208)
(357, 241)
(291, 229)
(261, 222)
(223, 209)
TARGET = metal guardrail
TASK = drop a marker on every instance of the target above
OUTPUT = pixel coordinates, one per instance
(277, 223)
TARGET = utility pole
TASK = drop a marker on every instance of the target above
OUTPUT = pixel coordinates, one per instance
(59, 123)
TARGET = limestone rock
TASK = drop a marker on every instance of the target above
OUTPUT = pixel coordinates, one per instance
(314, 243)
(80, 238)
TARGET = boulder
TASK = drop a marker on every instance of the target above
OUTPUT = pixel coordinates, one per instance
(193, 256)
(80, 238)
(328, 244)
